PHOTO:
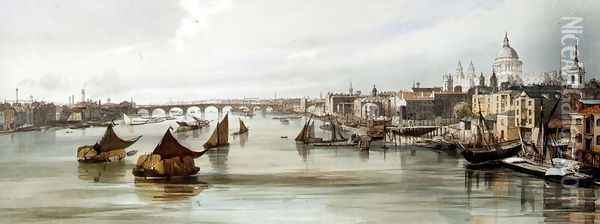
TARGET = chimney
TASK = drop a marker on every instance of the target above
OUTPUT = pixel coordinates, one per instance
(17, 96)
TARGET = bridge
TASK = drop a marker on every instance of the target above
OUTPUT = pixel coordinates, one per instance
(277, 105)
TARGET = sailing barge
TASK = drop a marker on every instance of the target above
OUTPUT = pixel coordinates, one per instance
(110, 148)
(307, 134)
(169, 159)
(487, 151)
(220, 136)
(243, 128)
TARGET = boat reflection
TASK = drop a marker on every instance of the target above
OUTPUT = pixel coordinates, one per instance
(364, 155)
(168, 190)
(243, 138)
(218, 158)
(115, 172)
(303, 152)
(558, 204)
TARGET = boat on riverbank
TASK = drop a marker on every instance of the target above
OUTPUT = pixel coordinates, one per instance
(539, 155)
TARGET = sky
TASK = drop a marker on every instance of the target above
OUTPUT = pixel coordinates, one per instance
(160, 51)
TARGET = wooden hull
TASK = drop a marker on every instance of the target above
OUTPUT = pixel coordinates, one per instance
(479, 155)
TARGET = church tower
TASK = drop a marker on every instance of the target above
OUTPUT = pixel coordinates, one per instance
(494, 82)
(374, 91)
(459, 76)
(576, 71)
(481, 80)
(448, 82)
(471, 76)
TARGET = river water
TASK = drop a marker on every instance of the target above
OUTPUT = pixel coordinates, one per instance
(267, 179)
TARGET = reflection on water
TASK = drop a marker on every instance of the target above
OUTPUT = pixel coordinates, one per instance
(262, 178)
(303, 152)
(168, 190)
(114, 172)
(557, 203)
(218, 158)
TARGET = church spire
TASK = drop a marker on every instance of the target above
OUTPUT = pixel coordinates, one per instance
(505, 43)
(576, 58)
(459, 71)
(471, 68)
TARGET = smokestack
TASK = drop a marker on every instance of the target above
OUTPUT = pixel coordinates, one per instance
(17, 96)
(83, 95)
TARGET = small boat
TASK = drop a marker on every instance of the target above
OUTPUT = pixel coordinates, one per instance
(110, 148)
(567, 173)
(283, 137)
(168, 160)
(284, 121)
(135, 120)
(439, 145)
(294, 117)
(220, 136)
(243, 128)
(185, 125)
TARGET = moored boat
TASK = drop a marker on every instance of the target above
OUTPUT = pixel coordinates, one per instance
(487, 150)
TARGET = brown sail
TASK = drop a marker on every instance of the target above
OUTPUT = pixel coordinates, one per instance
(243, 128)
(169, 147)
(110, 141)
(306, 132)
(220, 136)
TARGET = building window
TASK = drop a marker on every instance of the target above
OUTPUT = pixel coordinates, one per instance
(598, 122)
(578, 121)
(529, 103)
(578, 138)
(598, 140)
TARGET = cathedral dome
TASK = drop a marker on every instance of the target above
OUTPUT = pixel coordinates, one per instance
(507, 51)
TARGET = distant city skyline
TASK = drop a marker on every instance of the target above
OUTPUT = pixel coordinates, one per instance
(185, 50)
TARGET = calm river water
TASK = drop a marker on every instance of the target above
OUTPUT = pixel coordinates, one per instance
(267, 179)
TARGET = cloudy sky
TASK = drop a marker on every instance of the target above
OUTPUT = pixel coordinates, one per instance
(156, 51)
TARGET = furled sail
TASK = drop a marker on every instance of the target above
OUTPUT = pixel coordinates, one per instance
(110, 141)
(220, 136)
(169, 147)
